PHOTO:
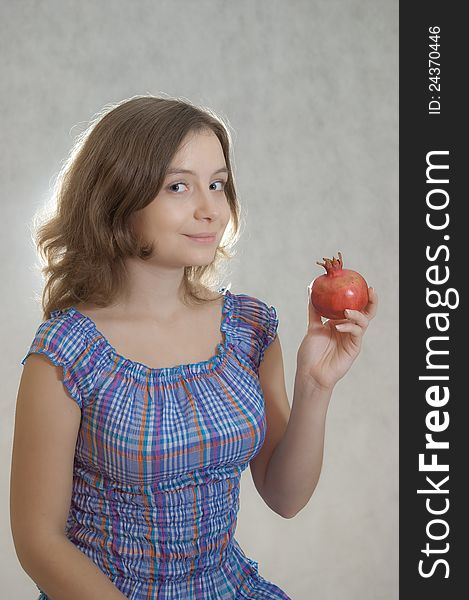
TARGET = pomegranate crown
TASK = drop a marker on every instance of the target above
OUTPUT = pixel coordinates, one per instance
(332, 264)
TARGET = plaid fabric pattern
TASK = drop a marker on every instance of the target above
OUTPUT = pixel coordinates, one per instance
(160, 453)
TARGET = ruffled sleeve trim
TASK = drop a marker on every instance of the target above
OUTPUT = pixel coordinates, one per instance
(65, 346)
(255, 326)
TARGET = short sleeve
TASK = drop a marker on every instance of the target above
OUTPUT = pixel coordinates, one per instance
(64, 345)
(270, 328)
(255, 325)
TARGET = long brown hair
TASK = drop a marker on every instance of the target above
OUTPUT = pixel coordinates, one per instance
(115, 167)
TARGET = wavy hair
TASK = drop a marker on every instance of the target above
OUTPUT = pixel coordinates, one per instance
(115, 167)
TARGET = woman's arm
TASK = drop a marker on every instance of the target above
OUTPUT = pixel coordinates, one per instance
(292, 464)
(295, 465)
(65, 573)
(46, 427)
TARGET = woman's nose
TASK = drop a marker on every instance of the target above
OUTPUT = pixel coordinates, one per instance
(206, 204)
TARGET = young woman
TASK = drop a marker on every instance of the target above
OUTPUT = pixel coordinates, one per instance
(145, 394)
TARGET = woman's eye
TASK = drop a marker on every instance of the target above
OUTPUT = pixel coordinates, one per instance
(223, 183)
(175, 185)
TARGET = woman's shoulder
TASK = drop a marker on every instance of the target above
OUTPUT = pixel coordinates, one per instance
(64, 342)
(61, 334)
(254, 323)
(254, 315)
(253, 306)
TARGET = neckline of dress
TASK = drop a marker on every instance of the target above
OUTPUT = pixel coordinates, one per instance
(177, 371)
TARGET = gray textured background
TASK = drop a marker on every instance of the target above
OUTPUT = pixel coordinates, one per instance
(310, 90)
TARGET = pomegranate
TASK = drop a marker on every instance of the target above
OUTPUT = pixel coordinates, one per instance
(338, 289)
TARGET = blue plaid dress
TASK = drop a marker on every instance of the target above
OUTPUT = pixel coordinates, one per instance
(160, 453)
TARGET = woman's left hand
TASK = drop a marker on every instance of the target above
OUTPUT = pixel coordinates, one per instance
(327, 353)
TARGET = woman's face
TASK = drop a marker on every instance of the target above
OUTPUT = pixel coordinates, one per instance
(188, 204)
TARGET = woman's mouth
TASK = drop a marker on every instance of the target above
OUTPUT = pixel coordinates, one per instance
(202, 239)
